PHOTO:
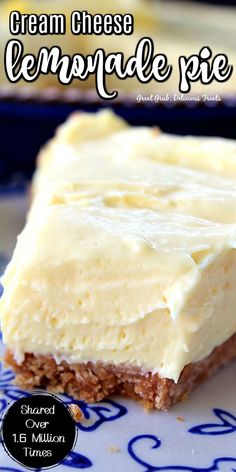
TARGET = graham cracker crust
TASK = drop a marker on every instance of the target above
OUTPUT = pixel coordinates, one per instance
(93, 382)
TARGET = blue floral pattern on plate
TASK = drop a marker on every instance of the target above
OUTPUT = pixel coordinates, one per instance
(156, 443)
(226, 425)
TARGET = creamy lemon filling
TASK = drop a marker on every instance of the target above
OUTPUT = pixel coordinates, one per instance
(127, 256)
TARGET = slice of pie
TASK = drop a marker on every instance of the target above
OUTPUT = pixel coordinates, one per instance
(124, 277)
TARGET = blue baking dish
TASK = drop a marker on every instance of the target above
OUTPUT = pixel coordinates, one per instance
(25, 125)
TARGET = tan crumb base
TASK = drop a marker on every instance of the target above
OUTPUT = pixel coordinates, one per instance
(96, 381)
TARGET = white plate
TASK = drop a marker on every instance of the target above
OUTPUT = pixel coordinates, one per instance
(204, 440)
